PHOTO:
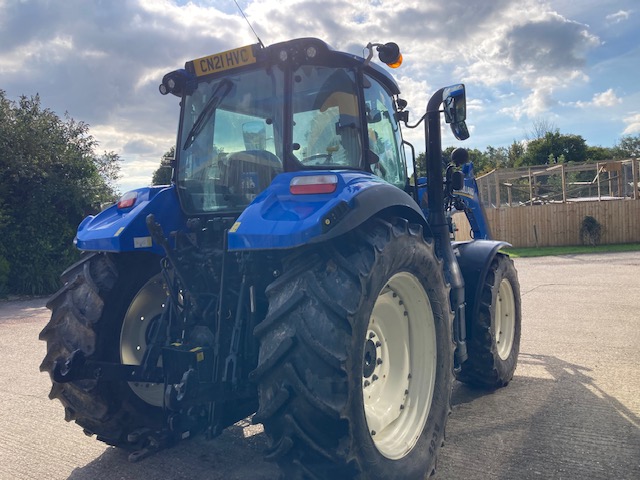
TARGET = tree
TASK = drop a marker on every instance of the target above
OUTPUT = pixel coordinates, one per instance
(515, 154)
(628, 146)
(555, 147)
(162, 176)
(599, 154)
(51, 180)
(541, 127)
(108, 165)
(481, 161)
(497, 157)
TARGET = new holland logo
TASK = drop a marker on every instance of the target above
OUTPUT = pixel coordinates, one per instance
(466, 192)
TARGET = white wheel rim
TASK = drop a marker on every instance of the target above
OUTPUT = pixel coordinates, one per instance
(146, 308)
(399, 366)
(505, 319)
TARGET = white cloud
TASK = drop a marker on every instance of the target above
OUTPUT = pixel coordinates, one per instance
(619, 16)
(633, 124)
(528, 45)
(102, 61)
(607, 98)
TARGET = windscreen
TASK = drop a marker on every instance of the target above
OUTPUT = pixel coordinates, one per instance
(239, 130)
(229, 141)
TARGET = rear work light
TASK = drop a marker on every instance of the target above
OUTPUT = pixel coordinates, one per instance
(128, 200)
(313, 184)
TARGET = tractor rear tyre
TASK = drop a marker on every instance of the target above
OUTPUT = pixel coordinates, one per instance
(356, 357)
(106, 306)
(493, 338)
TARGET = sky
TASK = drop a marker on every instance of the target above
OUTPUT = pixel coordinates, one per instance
(573, 65)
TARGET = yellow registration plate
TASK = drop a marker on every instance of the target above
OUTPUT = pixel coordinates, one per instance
(220, 62)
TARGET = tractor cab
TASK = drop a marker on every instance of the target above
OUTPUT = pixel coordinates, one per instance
(251, 113)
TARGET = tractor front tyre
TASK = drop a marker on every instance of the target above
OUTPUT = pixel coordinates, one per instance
(105, 308)
(493, 337)
(356, 357)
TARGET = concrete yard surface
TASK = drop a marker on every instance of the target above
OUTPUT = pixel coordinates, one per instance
(572, 410)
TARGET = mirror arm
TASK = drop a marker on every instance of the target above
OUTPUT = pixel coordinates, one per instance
(406, 124)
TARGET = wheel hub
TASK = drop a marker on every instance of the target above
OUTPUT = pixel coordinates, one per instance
(399, 364)
(138, 326)
(505, 318)
(370, 358)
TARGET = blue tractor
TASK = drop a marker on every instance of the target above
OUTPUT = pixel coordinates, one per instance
(291, 271)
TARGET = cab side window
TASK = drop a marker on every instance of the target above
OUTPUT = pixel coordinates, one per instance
(384, 135)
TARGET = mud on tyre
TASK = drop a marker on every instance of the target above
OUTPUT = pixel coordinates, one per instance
(357, 328)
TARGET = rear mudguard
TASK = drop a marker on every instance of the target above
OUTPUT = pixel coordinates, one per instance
(475, 258)
(125, 230)
(278, 219)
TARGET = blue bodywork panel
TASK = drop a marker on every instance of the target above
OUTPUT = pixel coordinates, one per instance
(278, 219)
(125, 230)
(470, 195)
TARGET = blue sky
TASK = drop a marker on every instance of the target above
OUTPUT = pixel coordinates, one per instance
(572, 64)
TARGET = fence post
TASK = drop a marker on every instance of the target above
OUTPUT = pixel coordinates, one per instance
(634, 174)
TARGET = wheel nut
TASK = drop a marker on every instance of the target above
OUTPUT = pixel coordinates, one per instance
(379, 361)
(373, 432)
(367, 383)
(378, 343)
(374, 378)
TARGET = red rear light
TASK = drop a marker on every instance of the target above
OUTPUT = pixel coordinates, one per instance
(128, 200)
(313, 184)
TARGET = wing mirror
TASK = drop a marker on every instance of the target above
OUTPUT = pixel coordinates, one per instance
(455, 110)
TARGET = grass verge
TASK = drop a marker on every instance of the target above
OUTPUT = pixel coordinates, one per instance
(571, 250)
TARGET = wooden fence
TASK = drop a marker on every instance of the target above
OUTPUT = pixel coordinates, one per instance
(558, 224)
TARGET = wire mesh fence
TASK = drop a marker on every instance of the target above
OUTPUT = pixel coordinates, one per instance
(560, 183)
(552, 201)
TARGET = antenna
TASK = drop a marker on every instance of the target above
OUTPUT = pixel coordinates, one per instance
(249, 23)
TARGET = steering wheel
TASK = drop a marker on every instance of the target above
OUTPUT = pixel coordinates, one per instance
(313, 159)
